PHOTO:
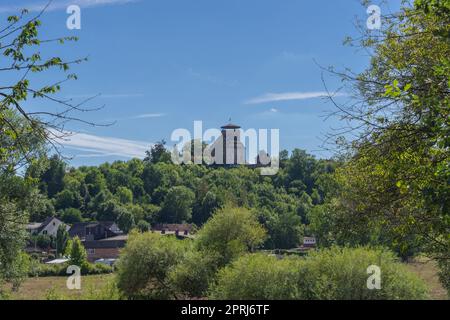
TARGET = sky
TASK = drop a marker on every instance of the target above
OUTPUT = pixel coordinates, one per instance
(160, 65)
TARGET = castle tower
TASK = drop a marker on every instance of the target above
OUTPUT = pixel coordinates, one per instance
(228, 149)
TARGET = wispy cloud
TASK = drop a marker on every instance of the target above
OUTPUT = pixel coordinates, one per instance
(288, 96)
(61, 5)
(148, 115)
(104, 146)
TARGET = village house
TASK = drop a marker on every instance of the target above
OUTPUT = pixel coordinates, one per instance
(108, 248)
(95, 230)
(48, 227)
(179, 230)
(309, 242)
(101, 239)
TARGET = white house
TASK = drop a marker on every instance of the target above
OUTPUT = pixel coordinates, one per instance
(48, 227)
(309, 242)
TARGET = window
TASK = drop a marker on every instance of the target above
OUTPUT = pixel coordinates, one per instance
(90, 251)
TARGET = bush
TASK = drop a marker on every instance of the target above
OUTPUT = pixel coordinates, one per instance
(258, 277)
(336, 273)
(60, 270)
(145, 263)
(341, 273)
(192, 276)
(230, 233)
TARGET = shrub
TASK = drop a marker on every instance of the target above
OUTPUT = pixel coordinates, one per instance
(258, 277)
(336, 273)
(230, 233)
(60, 270)
(341, 273)
(144, 264)
(193, 274)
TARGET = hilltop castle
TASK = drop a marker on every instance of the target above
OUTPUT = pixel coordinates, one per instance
(228, 150)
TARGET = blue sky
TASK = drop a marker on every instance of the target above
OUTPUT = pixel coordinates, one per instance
(161, 64)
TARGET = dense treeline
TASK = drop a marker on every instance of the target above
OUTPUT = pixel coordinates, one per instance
(139, 193)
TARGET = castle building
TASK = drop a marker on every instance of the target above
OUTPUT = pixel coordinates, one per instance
(228, 150)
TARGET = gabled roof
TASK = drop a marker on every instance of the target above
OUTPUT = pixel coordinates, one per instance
(79, 228)
(108, 243)
(173, 227)
(40, 226)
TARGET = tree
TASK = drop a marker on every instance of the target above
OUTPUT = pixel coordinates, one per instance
(143, 226)
(124, 195)
(71, 215)
(145, 263)
(24, 131)
(18, 197)
(67, 199)
(62, 238)
(77, 253)
(396, 177)
(231, 232)
(22, 58)
(125, 219)
(52, 179)
(12, 238)
(177, 205)
(208, 205)
(285, 230)
(158, 153)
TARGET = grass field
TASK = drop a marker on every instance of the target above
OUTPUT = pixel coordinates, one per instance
(55, 287)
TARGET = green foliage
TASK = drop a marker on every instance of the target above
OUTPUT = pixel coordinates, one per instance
(52, 179)
(230, 233)
(143, 226)
(145, 264)
(71, 215)
(124, 195)
(125, 220)
(38, 269)
(336, 273)
(177, 205)
(77, 254)
(341, 273)
(158, 153)
(192, 276)
(62, 238)
(258, 277)
(42, 241)
(394, 188)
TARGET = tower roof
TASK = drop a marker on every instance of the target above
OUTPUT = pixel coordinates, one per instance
(230, 126)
